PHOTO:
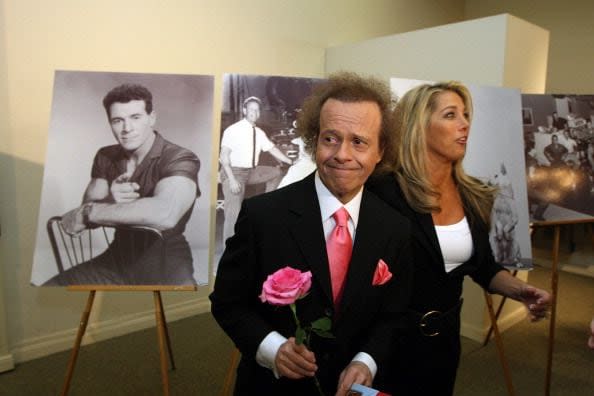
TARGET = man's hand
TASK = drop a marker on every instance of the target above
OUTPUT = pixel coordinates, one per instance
(234, 185)
(122, 190)
(295, 361)
(73, 221)
(354, 373)
(536, 300)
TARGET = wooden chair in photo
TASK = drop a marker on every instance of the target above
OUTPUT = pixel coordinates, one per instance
(71, 250)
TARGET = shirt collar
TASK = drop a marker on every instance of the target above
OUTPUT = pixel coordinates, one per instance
(330, 204)
(245, 121)
(157, 146)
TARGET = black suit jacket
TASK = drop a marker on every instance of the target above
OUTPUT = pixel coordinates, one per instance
(428, 365)
(436, 289)
(283, 228)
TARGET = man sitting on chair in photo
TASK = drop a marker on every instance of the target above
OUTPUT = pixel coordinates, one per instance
(144, 180)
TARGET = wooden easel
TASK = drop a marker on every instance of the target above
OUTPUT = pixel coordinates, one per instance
(162, 332)
(495, 317)
(230, 376)
(499, 341)
(554, 285)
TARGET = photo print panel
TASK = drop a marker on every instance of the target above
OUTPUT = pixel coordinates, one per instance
(126, 181)
(260, 148)
(495, 155)
(560, 156)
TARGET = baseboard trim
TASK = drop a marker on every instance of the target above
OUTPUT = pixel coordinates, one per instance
(98, 331)
(478, 334)
(6, 363)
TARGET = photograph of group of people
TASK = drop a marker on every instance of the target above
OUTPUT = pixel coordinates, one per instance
(559, 151)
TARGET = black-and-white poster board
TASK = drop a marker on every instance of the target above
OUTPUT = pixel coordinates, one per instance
(560, 156)
(258, 135)
(80, 127)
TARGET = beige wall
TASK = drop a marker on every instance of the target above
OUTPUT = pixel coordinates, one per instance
(571, 26)
(283, 37)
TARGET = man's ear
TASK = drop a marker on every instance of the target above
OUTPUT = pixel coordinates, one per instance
(153, 118)
(381, 155)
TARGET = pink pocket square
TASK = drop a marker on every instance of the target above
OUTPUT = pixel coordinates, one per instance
(382, 274)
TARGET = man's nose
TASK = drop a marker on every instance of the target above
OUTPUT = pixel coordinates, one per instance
(343, 152)
(127, 126)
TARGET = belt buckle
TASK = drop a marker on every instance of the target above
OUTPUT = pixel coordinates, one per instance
(423, 322)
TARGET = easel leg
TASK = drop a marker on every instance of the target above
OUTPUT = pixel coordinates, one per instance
(499, 342)
(571, 242)
(497, 314)
(166, 332)
(162, 342)
(82, 327)
(230, 377)
(554, 281)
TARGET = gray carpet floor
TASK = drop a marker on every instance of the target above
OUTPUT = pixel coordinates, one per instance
(526, 346)
(129, 365)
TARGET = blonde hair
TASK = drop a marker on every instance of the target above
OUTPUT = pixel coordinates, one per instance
(412, 115)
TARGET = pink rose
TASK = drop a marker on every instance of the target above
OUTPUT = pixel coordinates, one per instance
(382, 274)
(285, 286)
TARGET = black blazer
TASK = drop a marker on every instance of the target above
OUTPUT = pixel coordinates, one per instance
(283, 228)
(434, 289)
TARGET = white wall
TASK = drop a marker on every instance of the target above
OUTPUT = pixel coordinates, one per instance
(470, 51)
(282, 37)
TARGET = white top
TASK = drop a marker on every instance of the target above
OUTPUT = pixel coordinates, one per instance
(329, 204)
(455, 241)
(238, 138)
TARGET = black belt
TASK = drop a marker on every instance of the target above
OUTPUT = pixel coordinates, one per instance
(433, 322)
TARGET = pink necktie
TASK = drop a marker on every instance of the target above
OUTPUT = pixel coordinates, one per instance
(339, 247)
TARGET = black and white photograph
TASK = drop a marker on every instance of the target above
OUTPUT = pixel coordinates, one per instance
(560, 157)
(126, 183)
(495, 155)
(260, 148)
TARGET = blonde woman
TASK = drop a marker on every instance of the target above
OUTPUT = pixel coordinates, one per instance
(450, 213)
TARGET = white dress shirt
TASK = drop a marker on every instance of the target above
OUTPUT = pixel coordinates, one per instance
(238, 138)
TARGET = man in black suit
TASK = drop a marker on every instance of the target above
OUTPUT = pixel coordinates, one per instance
(345, 125)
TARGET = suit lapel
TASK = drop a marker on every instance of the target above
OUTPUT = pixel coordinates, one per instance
(370, 234)
(308, 233)
(425, 233)
(428, 237)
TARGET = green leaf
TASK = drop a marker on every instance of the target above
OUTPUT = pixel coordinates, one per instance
(322, 327)
(323, 334)
(300, 335)
(323, 324)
